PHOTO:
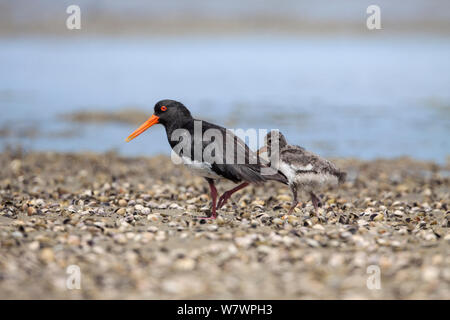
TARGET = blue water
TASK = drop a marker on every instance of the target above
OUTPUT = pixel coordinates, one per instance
(363, 97)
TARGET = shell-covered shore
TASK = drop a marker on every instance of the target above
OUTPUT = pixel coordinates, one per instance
(128, 225)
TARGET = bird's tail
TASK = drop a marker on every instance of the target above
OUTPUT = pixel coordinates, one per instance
(342, 176)
(278, 176)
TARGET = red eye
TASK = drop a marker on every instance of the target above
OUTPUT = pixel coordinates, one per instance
(163, 108)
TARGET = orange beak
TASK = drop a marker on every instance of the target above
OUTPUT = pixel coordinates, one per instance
(147, 124)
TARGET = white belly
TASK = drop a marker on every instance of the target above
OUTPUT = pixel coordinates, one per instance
(202, 169)
(308, 181)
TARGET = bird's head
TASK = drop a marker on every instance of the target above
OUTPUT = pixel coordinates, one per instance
(271, 139)
(166, 112)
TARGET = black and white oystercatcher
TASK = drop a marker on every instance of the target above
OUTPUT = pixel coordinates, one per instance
(211, 160)
(304, 170)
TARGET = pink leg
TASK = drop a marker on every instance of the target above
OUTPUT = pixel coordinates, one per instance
(295, 201)
(213, 190)
(227, 194)
(315, 201)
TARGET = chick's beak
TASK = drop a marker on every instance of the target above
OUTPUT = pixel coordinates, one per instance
(262, 150)
(147, 124)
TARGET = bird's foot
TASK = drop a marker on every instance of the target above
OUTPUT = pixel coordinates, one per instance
(227, 194)
(223, 199)
(316, 201)
(294, 204)
(212, 216)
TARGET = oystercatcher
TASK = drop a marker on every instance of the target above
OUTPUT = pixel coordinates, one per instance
(304, 170)
(208, 157)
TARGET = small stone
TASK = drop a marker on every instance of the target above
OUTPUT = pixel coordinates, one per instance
(33, 246)
(213, 227)
(243, 241)
(430, 237)
(162, 206)
(246, 215)
(191, 207)
(378, 217)
(430, 273)
(121, 211)
(312, 243)
(258, 203)
(17, 235)
(398, 213)
(15, 165)
(103, 199)
(31, 211)
(220, 221)
(175, 206)
(254, 223)
(47, 255)
(277, 221)
(318, 227)
(123, 203)
(284, 197)
(73, 240)
(160, 236)
(292, 219)
(121, 238)
(87, 193)
(362, 222)
(152, 217)
(184, 264)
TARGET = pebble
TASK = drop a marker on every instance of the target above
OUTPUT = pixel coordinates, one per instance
(184, 264)
(379, 217)
(123, 203)
(17, 235)
(277, 221)
(106, 221)
(31, 211)
(284, 197)
(121, 211)
(430, 273)
(318, 227)
(399, 213)
(152, 217)
(47, 255)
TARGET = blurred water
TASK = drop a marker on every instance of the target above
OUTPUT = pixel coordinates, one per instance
(362, 97)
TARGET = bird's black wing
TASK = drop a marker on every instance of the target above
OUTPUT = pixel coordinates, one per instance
(229, 156)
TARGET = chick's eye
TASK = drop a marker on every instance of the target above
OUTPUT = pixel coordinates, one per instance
(163, 108)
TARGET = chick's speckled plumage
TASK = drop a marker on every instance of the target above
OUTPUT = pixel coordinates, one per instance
(304, 170)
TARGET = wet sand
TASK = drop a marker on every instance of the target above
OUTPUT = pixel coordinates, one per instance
(128, 224)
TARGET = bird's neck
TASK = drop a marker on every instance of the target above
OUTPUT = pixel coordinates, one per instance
(177, 123)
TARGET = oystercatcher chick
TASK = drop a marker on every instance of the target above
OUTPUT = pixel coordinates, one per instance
(304, 170)
(208, 150)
